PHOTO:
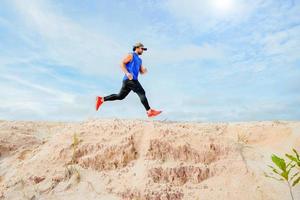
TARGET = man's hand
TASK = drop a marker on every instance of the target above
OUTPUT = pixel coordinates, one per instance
(143, 70)
(129, 75)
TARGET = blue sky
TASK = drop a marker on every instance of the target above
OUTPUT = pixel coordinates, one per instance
(207, 60)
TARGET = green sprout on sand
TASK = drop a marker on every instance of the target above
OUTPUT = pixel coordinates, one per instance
(74, 146)
(71, 167)
(288, 171)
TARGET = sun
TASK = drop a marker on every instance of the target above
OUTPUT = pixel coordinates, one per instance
(223, 6)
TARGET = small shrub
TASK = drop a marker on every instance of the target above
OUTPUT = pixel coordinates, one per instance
(286, 171)
(74, 146)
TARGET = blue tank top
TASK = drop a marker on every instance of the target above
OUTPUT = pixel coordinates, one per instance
(134, 66)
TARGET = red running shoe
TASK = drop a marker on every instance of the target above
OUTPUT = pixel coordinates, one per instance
(99, 101)
(153, 113)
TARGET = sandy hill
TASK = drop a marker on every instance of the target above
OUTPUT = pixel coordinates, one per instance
(116, 159)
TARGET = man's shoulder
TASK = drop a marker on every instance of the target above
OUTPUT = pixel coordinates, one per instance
(130, 54)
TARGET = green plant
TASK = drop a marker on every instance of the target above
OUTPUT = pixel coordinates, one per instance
(74, 145)
(241, 145)
(71, 168)
(286, 171)
(295, 158)
(70, 171)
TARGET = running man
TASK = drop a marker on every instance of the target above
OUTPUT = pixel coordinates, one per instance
(131, 66)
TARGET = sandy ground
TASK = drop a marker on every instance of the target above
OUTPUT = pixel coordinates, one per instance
(116, 159)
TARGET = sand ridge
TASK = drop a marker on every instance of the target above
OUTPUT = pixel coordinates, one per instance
(143, 159)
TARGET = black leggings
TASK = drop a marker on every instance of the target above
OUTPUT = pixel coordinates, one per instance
(127, 86)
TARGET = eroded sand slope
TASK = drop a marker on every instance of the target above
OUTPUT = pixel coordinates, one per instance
(136, 159)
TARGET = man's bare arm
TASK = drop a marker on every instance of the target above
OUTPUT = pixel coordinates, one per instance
(143, 70)
(126, 60)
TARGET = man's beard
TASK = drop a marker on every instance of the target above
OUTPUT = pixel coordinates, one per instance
(140, 53)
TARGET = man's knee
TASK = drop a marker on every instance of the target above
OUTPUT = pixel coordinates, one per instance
(141, 92)
(121, 97)
(122, 94)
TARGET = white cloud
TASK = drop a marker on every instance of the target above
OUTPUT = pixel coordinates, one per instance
(187, 52)
(25, 99)
(205, 15)
(283, 43)
(68, 42)
(260, 110)
(61, 96)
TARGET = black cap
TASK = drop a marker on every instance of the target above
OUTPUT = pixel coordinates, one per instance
(137, 45)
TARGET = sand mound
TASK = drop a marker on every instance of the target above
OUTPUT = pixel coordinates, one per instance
(143, 160)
